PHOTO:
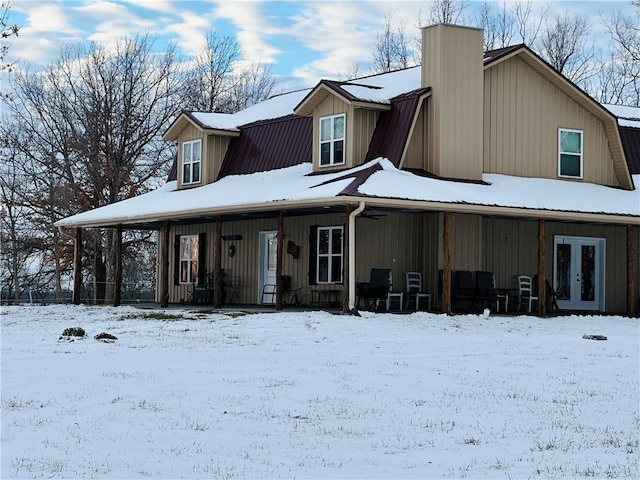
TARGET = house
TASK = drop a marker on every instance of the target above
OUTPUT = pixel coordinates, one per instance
(472, 161)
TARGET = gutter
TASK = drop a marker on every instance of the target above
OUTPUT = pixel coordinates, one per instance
(352, 258)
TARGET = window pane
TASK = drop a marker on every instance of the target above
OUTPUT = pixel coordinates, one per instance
(186, 173)
(323, 269)
(570, 142)
(336, 268)
(194, 248)
(337, 152)
(323, 241)
(194, 271)
(563, 261)
(184, 271)
(338, 127)
(186, 152)
(185, 248)
(570, 165)
(336, 241)
(196, 151)
(325, 154)
(325, 129)
(196, 172)
(272, 254)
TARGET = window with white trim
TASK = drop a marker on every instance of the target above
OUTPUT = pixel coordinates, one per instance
(332, 140)
(191, 161)
(329, 266)
(189, 258)
(570, 162)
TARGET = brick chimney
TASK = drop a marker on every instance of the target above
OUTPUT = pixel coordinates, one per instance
(452, 65)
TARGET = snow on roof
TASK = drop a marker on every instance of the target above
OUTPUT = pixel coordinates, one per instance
(381, 88)
(627, 116)
(274, 107)
(295, 184)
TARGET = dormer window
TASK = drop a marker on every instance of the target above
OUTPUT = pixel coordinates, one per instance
(332, 140)
(570, 153)
(191, 161)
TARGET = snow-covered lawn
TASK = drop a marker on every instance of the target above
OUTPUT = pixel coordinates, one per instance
(315, 395)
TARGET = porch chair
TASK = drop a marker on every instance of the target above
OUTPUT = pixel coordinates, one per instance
(376, 290)
(463, 289)
(485, 292)
(413, 281)
(525, 292)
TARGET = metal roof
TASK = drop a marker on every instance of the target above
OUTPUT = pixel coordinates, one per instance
(631, 144)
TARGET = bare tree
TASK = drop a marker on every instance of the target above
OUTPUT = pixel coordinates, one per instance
(6, 30)
(218, 82)
(91, 127)
(565, 44)
(392, 50)
(444, 11)
(498, 24)
(620, 78)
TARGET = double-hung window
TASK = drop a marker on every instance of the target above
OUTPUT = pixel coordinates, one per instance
(189, 258)
(570, 161)
(191, 161)
(332, 140)
(329, 255)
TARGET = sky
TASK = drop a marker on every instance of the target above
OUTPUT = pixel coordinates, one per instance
(303, 42)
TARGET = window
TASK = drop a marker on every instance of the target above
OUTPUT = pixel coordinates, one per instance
(191, 161)
(332, 140)
(329, 243)
(189, 258)
(570, 153)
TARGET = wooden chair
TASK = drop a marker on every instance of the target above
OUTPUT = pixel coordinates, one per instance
(525, 292)
(413, 283)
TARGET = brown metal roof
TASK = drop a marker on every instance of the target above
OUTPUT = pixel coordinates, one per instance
(269, 145)
(494, 55)
(392, 129)
(173, 171)
(631, 144)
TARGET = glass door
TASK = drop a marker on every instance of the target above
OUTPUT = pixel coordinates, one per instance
(579, 272)
(267, 265)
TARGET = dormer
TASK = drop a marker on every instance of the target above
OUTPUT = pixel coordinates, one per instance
(201, 148)
(344, 118)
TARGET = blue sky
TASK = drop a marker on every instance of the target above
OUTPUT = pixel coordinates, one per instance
(302, 41)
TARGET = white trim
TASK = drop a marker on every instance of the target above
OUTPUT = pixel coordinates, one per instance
(332, 141)
(191, 161)
(560, 152)
(329, 255)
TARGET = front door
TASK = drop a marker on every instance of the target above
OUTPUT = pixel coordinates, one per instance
(267, 265)
(578, 272)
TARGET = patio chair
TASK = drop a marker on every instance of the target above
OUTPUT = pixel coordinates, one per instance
(376, 290)
(413, 282)
(463, 295)
(525, 292)
(485, 293)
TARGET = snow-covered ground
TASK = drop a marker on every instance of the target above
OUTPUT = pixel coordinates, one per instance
(315, 395)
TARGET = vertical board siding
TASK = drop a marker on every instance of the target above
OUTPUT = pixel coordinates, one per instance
(522, 114)
(416, 156)
(216, 150)
(365, 124)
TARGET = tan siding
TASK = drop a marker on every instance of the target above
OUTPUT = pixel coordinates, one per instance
(416, 156)
(466, 242)
(216, 150)
(362, 130)
(453, 69)
(636, 265)
(523, 112)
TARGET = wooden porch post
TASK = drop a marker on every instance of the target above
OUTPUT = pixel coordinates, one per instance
(446, 264)
(631, 297)
(345, 262)
(542, 285)
(77, 267)
(218, 286)
(164, 265)
(117, 294)
(279, 250)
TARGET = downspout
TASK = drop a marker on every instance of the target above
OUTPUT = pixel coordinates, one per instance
(352, 258)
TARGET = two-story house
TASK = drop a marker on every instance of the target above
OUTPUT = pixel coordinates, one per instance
(472, 161)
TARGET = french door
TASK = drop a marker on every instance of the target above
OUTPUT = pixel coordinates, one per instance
(267, 265)
(578, 272)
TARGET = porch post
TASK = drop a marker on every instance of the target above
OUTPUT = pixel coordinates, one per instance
(164, 266)
(77, 267)
(279, 250)
(542, 285)
(218, 284)
(631, 300)
(446, 264)
(345, 262)
(117, 294)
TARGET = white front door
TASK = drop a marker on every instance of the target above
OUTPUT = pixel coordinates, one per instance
(267, 259)
(578, 272)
